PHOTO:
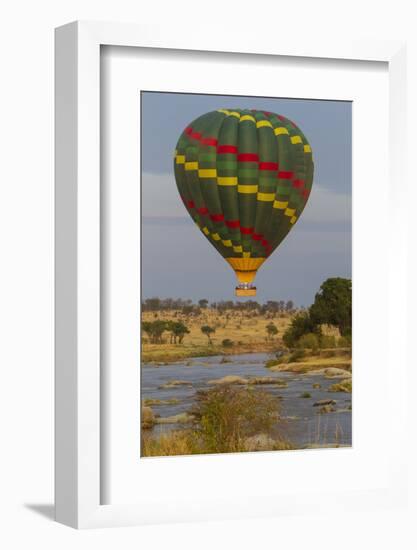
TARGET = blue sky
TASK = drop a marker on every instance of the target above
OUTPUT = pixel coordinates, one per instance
(177, 261)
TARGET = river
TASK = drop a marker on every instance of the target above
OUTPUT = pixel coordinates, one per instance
(300, 421)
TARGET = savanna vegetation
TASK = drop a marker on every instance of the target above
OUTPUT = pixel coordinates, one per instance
(225, 419)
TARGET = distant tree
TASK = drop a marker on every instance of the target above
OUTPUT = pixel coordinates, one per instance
(289, 306)
(147, 328)
(207, 330)
(271, 330)
(179, 330)
(333, 305)
(203, 303)
(158, 328)
(154, 330)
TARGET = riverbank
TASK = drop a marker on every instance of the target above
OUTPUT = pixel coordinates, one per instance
(315, 405)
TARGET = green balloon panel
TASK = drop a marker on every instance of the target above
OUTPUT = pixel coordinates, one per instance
(244, 177)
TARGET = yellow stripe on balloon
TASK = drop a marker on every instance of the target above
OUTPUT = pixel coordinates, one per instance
(234, 113)
(191, 166)
(281, 205)
(237, 249)
(247, 117)
(266, 197)
(307, 149)
(293, 219)
(281, 130)
(224, 111)
(246, 254)
(206, 231)
(227, 242)
(263, 123)
(207, 173)
(296, 139)
(227, 181)
(289, 212)
(180, 159)
(246, 189)
(215, 236)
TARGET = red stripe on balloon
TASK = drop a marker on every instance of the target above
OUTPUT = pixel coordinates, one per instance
(305, 193)
(190, 204)
(203, 211)
(285, 175)
(247, 157)
(233, 224)
(268, 166)
(246, 230)
(264, 242)
(298, 184)
(221, 149)
(257, 237)
(217, 217)
(196, 135)
(209, 141)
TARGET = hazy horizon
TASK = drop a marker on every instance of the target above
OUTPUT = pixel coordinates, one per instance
(178, 262)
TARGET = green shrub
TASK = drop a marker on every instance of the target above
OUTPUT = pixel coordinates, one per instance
(309, 341)
(301, 324)
(344, 342)
(327, 341)
(227, 343)
(296, 355)
(226, 416)
(305, 395)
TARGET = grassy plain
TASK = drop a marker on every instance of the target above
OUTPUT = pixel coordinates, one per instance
(246, 331)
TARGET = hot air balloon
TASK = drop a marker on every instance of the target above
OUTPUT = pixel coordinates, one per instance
(244, 177)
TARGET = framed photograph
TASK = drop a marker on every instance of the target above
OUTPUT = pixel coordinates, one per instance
(227, 220)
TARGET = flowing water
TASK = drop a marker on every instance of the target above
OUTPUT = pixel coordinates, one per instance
(300, 421)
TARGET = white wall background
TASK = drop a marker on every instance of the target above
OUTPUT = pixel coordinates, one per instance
(26, 270)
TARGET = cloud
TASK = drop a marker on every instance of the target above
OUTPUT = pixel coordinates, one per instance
(160, 197)
(326, 206)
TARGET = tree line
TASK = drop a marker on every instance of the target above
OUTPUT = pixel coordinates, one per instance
(189, 307)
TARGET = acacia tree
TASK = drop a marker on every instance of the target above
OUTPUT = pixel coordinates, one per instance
(271, 330)
(207, 330)
(333, 305)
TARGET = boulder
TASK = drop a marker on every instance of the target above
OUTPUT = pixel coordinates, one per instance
(326, 409)
(259, 442)
(268, 380)
(174, 384)
(324, 402)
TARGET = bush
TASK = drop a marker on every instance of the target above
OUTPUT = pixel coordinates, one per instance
(227, 343)
(226, 416)
(305, 395)
(327, 341)
(300, 325)
(308, 341)
(296, 356)
(344, 342)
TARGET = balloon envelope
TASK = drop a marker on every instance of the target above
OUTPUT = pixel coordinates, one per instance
(244, 177)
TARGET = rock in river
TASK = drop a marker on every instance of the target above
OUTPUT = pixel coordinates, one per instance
(268, 380)
(324, 402)
(174, 384)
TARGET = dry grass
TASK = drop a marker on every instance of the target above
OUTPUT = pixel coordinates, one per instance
(246, 330)
(169, 444)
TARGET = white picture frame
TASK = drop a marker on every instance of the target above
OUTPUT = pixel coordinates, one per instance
(78, 405)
